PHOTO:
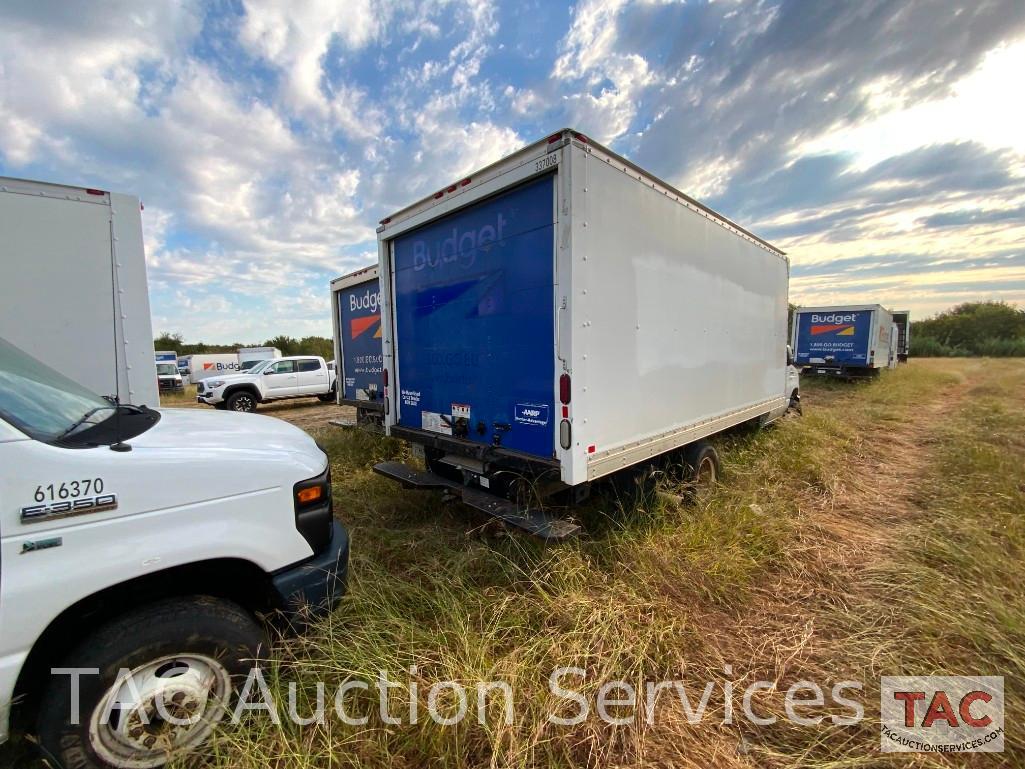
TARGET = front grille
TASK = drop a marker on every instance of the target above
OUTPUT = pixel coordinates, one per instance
(199, 388)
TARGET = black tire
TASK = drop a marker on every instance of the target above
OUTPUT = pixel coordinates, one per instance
(701, 469)
(243, 400)
(795, 405)
(168, 635)
(327, 397)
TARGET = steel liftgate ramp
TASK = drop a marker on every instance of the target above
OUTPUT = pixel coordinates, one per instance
(535, 522)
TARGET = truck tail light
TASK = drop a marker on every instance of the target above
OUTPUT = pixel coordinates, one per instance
(314, 512)
(564, 389)
(384, 376)
(565, 434)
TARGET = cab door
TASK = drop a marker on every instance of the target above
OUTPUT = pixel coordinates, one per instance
(280, 380)
(312, 377)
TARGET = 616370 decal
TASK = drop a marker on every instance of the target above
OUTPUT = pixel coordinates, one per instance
(57, 500)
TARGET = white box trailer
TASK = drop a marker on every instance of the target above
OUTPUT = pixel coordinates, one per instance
(902, 319)
(845, 341)
(205, 365)
(562, 314)
(250, 356)
(73, 290)
(356, 320)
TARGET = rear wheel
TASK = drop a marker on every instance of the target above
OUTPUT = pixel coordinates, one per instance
(327, 397)
(241, 401)
(166, 676)
(701, 469)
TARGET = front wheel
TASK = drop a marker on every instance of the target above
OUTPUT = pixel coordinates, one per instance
(166, 675)
(242, 401)
(327, 397)
(795, 405)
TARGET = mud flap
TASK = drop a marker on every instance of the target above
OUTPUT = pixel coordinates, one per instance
(535, 522)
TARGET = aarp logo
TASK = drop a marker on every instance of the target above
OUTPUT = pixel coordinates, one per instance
(942, 714)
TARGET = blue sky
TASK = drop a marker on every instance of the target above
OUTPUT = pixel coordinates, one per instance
(880, 144)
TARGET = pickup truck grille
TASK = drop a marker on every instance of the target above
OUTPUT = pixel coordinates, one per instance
(199, 388)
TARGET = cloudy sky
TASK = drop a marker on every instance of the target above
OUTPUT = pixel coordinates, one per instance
(881, 144)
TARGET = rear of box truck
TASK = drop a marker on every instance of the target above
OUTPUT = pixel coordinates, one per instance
(564, 308)
(356, 299)
(474, 322)
(843, 339)
(75, 289)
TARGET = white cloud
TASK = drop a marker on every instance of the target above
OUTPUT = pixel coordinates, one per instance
(295, 35)
(981, 107)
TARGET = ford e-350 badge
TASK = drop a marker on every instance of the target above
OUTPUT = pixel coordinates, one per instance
(63, 508)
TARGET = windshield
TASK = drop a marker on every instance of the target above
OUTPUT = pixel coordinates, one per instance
(249, 364)
(43, 403)
(260, 366)
(167, 369)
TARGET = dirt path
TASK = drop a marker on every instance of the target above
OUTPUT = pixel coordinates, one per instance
(845, 531)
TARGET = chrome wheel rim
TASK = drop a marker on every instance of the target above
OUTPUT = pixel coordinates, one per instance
(165, 707)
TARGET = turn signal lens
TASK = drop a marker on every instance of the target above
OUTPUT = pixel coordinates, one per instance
(309, 495)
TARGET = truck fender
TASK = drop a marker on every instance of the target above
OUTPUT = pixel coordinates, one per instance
(231, 389)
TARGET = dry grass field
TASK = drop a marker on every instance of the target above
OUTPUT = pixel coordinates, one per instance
(880, 534)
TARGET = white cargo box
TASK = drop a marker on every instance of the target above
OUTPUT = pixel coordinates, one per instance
(565, 307)
(73, 286)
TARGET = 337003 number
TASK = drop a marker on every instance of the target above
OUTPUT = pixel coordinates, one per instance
(68, 489)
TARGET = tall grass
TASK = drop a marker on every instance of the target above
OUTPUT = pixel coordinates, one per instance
(795, 567)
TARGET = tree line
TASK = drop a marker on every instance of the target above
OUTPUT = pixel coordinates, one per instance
(308, 345)
(995, 329)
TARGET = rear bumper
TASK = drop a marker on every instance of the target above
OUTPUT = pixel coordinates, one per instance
(481, 452)
(312, 588)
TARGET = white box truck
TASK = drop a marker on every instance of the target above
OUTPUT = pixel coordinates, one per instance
(73, 286)
(845, 341)
(169, 379)
(250, 356)
(140, 547)
(356, 319)
(902, 319)
(563, 314)
(205, 365)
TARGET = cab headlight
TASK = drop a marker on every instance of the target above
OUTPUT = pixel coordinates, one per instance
(215, 383)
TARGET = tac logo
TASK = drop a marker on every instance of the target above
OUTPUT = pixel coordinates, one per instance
(360, 326)
(942, 714)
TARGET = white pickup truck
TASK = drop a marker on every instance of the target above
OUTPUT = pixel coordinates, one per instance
(105, 566)
(299, 376)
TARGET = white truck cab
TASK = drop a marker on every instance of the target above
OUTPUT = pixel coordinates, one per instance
(169, 379)
(100, 573)
(297, 376)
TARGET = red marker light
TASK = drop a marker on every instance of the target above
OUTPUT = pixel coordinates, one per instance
(438, 194)
(564, 389)
(464, 182)
(95, 192)
(554, 138)
(590, 449)
(580, 138)
(385, 377)
(451, 189)
(386, 220)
